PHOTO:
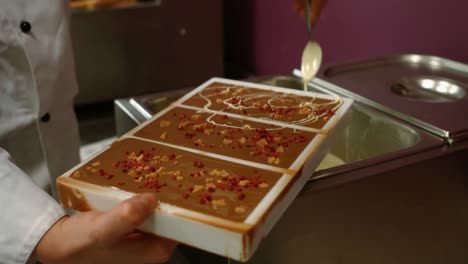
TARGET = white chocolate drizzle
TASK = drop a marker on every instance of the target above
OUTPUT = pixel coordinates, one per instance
(249, 101)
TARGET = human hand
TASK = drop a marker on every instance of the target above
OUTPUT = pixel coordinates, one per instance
(105, 237)
(315, 9)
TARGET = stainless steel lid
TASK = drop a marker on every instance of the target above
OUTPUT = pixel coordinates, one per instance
(427, 91)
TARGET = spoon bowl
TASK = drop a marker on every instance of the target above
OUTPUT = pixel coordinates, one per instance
(311, 60)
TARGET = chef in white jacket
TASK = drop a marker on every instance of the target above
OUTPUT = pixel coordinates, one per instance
(39, 141)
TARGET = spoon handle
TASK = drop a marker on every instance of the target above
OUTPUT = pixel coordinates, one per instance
(307, 18)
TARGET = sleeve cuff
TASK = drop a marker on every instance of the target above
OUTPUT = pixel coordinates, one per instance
(51, 215)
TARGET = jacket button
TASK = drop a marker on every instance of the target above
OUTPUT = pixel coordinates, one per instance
(25, 27)
(45, 118)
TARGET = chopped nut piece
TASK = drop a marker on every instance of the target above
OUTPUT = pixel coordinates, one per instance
(132, 173)
(271, 160)
(198, 141)
(139, 179)
(151, 175)
(139, 168)
(160, 171)
(218, 203)
(132, 156)
(242, 140)
(175, 173)
(222, 173)
(280, 149)
(163, 135)
(208, 131)
(240, 209)
(263, 185)
(210, 187)
(89, 168)
(277, 116)
(207, 180)
(197, 188)
(164, 123)
(77, 174)
(262, 142)
(93, 170)
(183, 125)
(140, 158)
(200, 127)
(274, 160)
(243, 182)
(179, 178)
(224, 132)
(196, 116)
(95, 164)
(227, 141)
(219, 100)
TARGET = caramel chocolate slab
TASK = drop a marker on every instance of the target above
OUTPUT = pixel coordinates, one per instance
(230, 136)
(290, 108)
(180, 178)
(225, 161)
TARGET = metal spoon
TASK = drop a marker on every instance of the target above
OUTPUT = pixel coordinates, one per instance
(312, 54)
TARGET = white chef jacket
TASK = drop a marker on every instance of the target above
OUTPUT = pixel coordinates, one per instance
(38, 129)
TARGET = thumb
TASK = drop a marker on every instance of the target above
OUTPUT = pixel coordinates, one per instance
(111, 226)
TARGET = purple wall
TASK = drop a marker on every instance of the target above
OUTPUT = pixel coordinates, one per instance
(267, 36)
